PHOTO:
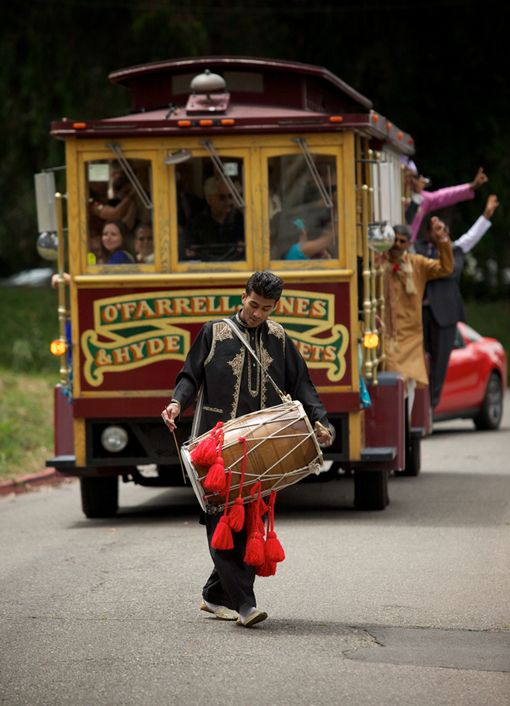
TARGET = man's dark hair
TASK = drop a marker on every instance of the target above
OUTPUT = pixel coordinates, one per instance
(266, 284)
(402, 229)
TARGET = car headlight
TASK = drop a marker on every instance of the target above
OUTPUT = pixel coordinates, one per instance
(114, 439)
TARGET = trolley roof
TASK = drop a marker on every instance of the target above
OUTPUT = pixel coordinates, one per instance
(260, 95)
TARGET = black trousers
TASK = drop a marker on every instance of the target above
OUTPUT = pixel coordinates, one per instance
(438, 341)
(231, 582)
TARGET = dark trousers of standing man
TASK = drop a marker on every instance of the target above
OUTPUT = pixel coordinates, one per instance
(438, 341)
(231, 582)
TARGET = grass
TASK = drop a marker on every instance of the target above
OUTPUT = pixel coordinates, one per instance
(26, 430)
(28, 372)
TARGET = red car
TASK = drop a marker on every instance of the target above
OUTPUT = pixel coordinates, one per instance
(476, 380)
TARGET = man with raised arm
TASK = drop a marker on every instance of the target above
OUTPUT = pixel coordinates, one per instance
(405, 276)
(442, 303)
(424, 202)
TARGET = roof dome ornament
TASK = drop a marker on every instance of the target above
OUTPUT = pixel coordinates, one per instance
(209, 94)
(208, 83)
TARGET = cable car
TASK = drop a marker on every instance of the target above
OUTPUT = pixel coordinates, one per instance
(222, 166)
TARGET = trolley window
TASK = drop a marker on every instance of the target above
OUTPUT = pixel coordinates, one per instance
(303, 211)
(210, 214)
(119, 212)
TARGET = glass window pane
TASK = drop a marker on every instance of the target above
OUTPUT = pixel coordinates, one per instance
(119, 225)
(210, 226)
(301, 224)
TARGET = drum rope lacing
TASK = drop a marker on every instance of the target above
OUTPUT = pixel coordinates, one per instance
(251, 478)
(263, 431)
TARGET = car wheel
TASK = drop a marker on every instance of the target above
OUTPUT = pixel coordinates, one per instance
(491, 410)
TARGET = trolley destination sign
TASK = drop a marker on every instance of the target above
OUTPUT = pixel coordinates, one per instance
(144, 328)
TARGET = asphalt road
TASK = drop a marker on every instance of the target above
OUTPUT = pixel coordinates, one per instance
(406, 606)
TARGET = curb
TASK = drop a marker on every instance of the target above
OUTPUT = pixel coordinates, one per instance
(23, 484)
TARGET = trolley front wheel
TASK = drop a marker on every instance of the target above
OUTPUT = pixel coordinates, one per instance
(370, 490)
(99, 496)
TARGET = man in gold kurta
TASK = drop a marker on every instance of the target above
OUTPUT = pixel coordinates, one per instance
(405, 277)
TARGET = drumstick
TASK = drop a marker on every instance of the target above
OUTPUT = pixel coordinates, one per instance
(180, 457)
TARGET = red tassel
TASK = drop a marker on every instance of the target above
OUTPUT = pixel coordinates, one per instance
(236, 515)
(268, 568)
(222, 537)
(216, 480)
(254, 554)
(205, 453)
(274, 550)
(259, 525)
(263, 508)
(254, 522)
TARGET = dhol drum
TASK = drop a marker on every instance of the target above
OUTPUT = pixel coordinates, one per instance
(281, 449)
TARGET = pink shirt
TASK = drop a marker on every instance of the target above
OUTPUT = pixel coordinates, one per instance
(434, 200)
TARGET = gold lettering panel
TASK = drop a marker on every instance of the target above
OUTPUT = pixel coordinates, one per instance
(134, 330)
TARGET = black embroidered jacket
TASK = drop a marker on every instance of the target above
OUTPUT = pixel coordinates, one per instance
(233, 383)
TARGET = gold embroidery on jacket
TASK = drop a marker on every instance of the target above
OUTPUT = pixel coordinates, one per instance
(236, 364)
(275, 329)
(253, 376)
(266, 360)
(221, 332)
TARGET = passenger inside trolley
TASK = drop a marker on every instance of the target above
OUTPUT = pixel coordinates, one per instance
(306, 225)
(114, 199)
(216, 231)
(144, 243)
(115, 238)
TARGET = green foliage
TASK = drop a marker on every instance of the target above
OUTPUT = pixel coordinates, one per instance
(447, 87)
(28, 372)
(26, 432)
(491, 319)
(28, 322)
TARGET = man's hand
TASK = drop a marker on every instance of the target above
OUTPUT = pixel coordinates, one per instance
(438, 231)
(491, 206)
(419, 183)
(323, 435)
(480, 179)
(170, 413)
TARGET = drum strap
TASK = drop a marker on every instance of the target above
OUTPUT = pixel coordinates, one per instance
(283, 397)
(198, 413)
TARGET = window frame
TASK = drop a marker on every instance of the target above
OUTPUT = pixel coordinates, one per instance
(100, 154)
(234, 151)
(317, 145)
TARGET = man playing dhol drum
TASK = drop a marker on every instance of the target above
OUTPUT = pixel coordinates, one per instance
(232, 385)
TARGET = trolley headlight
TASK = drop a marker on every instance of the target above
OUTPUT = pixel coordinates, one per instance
(371, 339)
(58, 347)
(114, 439)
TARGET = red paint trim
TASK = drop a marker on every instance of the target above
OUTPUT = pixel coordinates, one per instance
(119, 407)
(336, 402)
